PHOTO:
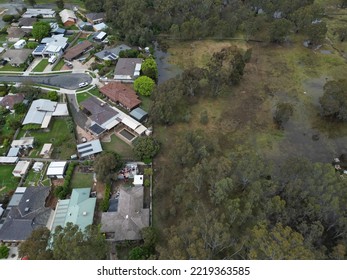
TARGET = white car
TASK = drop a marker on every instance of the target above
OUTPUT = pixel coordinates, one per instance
(84, 84)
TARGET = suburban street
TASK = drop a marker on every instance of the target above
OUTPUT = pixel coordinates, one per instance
(67, 81)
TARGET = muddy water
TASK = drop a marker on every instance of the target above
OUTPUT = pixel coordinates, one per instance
(306, 133)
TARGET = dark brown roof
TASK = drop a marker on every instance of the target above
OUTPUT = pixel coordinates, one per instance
(27, 21)
(100, 111)
(15, 32)
(11, 99)
(77, 50)
(122, 93)
(126, 66)
(95, 16)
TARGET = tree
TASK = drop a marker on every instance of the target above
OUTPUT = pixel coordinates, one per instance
(94, 6)
(334, 100)
(8, 18)
(146, 147)
(105, 165)
(144, 85)
(4, 251)
(282, 114)
(279, 30)
(51, 95)
(316, 32)
(60, 4)
(20, 108)
(149, 68)
(40, 30)
(36, 246)
(70, 243)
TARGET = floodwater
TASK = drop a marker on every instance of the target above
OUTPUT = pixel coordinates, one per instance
(165, 69)
(308, 135)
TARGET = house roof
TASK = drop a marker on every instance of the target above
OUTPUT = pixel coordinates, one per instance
(100, 111)
(100, 26)
(122, 93)
(95, 16)
(46, 149)
(30, 213)
(130, 217)
(79, 209)
(27, 21)
(112, 54)
(100, 35)
(38, 111)
(138, 114)
(126, 67)
(15, 32)
(17, 56)
(9, 100)
(56, 168)
(77, 50)
(67, 15)
(13, 152)
(89, 148)
(36, 12)
(21, 167)
(23, 141)
(8, 160)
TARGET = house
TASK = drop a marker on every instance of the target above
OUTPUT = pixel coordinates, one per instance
(138, 180)
(25, 212)
(89, 148)
(49, 46)
(102, 116)
(21, 168)
(23, 143)
(129, 217)
(55, 29)
(8, 160)
(99, 36)
(33, 13)
(112, 54)
(78, 210)
(42, 110)
(78, 50)
(20, 44)
(13, 152)
(27, 23)
(9, 100)
(56, 169)
(100, 27)
(15, 34)
(85, 26)
(95, 18)
(46, 150)
(139, 114)
(38, 166)
(127, 69)
(68, 17)
(121, 94)
(16, 57)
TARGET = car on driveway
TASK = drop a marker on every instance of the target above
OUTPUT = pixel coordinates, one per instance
(84, 84)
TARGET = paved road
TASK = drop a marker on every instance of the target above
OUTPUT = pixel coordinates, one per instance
(67, 81)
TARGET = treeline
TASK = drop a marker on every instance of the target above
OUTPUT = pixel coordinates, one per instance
(138, 22)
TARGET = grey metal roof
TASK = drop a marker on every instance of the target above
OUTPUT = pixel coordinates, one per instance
(89, 148)
(138, 114)
(112, 54)
(38, 110)
(13, 152)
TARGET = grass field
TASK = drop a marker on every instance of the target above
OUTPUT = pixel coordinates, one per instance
(9, 67)
(59, 65)
(7, 181)
(81, 180)
(82, 96)
(41, 66)
(118, 146)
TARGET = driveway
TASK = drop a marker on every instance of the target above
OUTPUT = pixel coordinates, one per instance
(67, 81)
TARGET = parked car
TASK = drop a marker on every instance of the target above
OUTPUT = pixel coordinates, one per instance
(69, 64)
(84, 84)
(52, 59)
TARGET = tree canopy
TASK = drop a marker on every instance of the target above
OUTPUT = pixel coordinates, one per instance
(146, 147)
(144, 85)
(105, 165)
(40, 30)
(149, 68)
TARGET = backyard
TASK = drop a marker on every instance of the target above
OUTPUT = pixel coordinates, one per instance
(117, 145)
(81, 179)
(33, 178)
(7, 181)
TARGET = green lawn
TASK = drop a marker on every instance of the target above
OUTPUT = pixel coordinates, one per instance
(9, 67)
(95, 91)
(7, 181)
(146, 102)
(82, 96)
(59, 65)
(41, 66)
(64, 143)
(81, 180)
(119, 146)
(33, 178)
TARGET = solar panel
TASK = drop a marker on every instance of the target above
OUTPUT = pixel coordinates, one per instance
(86, 152)
(40, 48)
(84, 146)
(97, 129)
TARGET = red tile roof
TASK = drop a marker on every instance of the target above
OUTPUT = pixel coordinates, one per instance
(121, 93)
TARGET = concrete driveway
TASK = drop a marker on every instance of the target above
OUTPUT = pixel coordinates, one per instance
(67, 81)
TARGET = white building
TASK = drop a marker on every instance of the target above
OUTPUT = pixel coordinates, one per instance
(20, 44)
(23, 143)
(45, 13)
(138, 180)
(21, 168)
(38, 166)
(56, 169)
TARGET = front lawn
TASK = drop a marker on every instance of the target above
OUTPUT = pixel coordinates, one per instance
(41, 66)
(9, 67)
(59, 65)
(7, 181)
(82, 96)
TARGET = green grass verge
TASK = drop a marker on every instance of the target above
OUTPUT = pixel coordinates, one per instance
(9, 67)
(119, 146)
(41, 66)
(82, 180)
(7, 181)
(59, 65)
(82, 96)
(33, 178)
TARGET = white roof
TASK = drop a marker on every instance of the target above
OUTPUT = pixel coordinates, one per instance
(38, 165)
(67, 15)
(138, 179)
(111, 124)
(61, 110)
(46, 120)
(21, 167)
(89, 148)
(35, 12)
(100, 26)
(45, 149)
(141, 129)
(130, 122)
(24, 141)
(56, 168)
(8, 159)
(20, 42)
(101, 35)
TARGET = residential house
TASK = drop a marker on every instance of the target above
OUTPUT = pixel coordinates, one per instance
(78, 210)
(88, 149)
(16, 57)
(33, 13)
(95, 18)
(21, 168)
(25, 212)
(68, 17)
(100, 27)
(139, 114)
(23, 143)
(127, 69)
(129, 217)
(27, 23)
(56, 169)
(46, 150)
(14, 34)
(112, 54)
(38, 166)
(78, 50)
(49, 46)
(55, 29)
(9, 100)
(13, 152)
(20, 44)
(41, 112)
(138, 180)
(121, 94)
(8, 160)
(99, 36)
